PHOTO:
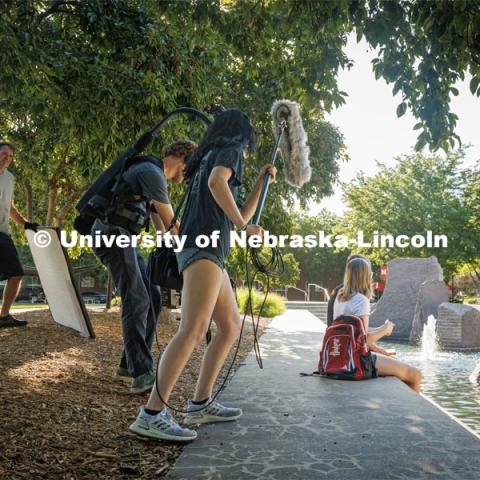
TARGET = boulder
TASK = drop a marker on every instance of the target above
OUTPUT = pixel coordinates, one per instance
(398, 302)
(430, 295)
(458, 326)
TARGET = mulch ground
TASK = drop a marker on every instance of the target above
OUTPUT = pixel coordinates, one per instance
(64, 416)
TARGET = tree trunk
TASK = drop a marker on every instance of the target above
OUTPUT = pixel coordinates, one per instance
(108, 306)
(29, 198)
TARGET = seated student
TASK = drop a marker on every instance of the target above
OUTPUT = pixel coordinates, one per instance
(354, 299)
(384, 330)
(333, 296)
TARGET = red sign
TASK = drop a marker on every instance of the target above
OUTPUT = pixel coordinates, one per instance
(383, 271)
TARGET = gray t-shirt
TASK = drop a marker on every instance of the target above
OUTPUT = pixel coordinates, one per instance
(202, 214)
(148, 180)
(144, 179)
(6, 197)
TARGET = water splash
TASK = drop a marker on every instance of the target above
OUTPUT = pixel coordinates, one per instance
(475, 375)
(429, 338)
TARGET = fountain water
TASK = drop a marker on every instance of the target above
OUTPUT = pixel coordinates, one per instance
(445, 375)
(475, 375)
(429, 338)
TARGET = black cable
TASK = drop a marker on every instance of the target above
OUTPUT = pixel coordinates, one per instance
(222, 386)
(271, 267)
(274, 266)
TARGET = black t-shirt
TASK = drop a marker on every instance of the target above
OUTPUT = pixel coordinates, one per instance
(202, 214)
(331, 302)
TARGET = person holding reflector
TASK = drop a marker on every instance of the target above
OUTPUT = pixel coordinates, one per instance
(10, 266)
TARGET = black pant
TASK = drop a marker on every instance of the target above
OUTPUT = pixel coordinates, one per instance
(139, 319)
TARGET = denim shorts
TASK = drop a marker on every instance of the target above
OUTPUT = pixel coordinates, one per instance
(190, 255)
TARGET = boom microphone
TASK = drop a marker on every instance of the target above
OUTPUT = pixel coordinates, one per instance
(291, 140)
(293, 143)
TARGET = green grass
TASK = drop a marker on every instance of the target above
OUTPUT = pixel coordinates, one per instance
(275, 304)
(29, 305)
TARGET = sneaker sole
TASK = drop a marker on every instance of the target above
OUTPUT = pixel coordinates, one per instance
(158, 435)
(209, 419)
(123, 378)
(144, 389)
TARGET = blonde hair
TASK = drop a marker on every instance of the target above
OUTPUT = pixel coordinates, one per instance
(357, 279)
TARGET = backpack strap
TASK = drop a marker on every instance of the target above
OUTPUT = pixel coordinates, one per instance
(127, 164)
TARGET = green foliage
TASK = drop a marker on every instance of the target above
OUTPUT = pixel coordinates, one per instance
(236, 268)
(418, 194)
(274, 305)
(81, 80)
(423, 48)
(472, 300)
(323, 266)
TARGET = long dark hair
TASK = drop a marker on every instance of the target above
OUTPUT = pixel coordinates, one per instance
(230, 129)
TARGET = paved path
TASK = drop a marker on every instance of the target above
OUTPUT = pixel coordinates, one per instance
(311, 428)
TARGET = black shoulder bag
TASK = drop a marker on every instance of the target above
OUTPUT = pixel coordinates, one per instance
(163, 262)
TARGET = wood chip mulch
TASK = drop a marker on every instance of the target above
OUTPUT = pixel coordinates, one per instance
(62, 413)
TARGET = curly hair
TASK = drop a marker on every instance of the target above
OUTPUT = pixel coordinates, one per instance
(180, 148)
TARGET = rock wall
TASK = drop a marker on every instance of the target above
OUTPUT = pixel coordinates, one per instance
(398, 302)
(458, 326)
(430, 295)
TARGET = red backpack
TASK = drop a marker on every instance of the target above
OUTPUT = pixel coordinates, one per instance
(345, 354)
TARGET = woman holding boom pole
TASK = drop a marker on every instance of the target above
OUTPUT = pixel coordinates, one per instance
(216, 172)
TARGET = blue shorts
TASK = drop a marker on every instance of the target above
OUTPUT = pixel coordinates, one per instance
(192, 254)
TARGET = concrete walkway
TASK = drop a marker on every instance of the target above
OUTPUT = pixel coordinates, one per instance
(313, 428)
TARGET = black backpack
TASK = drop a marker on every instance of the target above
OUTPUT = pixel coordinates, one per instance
(101, 197)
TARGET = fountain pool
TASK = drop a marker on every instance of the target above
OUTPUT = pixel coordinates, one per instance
(446, 380)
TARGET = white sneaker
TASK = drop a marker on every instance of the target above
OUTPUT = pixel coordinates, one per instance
(161, 426)
(215, 412)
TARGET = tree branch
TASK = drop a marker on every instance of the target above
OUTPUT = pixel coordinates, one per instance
(69, 204)
(55, 8)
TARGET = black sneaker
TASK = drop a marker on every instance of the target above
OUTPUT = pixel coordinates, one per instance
(10, 321)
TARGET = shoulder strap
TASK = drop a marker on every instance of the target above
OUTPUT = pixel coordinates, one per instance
(185, 196)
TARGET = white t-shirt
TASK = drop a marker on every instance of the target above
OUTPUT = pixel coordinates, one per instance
(358, 305)
(6, 196)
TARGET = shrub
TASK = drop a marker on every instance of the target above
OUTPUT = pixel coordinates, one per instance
(275, 304)
(472, 299)
(116, 301)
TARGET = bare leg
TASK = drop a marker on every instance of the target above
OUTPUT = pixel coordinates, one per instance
(202, 283)
(10, 293)
(390, 367)
(227, 318)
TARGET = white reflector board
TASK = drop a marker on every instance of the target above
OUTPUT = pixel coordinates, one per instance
(56, 276)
